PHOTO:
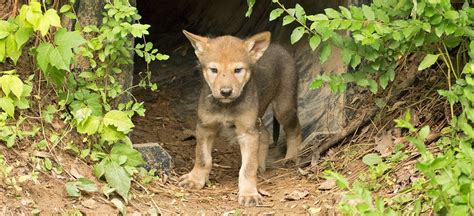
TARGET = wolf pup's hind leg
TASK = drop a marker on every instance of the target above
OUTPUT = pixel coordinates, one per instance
(264, 143)
(286, 111)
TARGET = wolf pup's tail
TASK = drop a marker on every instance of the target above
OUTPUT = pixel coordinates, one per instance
(276, 130)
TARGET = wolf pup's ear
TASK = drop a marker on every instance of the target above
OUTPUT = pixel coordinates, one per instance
(257, 44)
(199, 42)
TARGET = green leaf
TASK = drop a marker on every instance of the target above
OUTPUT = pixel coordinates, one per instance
(148, 46)
(325, 53)
(87, 185)
(134, 158)
(250, 4)
(383, 80)
(42, 55)
(65, 8)
(317, 17)
(373, 86)
(117, 178)
(341, 181)
(371, 159)
(55, 75)
(346, 56)
(111, 134)
(451, 14)
(27, 90)
(276, 13)
(99, 168)
(48, 165)
(3, 51)
(118, 119)
(7, 105)
(4, 29)
(22, 36)
(331, 13)
(297, 34)
(70, 15)
(12, 48)
(52, 16)
(428, 61)
(314, 42)
(72, 190)
(5, 81)
(16, 85)
(368, 12)
(345, 12)
(317, 83)
(90, 126)
(424, 132)
(162, 57)
(81, 115)
(426, 27)
(33, 13)
(119, 204)
(300, 13)
(288, 19)
(60, 58)
(68, 39)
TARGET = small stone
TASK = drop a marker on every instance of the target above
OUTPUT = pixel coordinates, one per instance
(155, 156)
(268, 213)
(89, 203)
(327, 185)
(296, 195)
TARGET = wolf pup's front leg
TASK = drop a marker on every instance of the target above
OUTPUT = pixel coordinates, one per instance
(248, 138)
(197, 178)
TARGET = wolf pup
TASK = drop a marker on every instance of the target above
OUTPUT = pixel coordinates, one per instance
(242, 77)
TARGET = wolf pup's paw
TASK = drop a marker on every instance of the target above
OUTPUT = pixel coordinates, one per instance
(250, 200)
(191, 182)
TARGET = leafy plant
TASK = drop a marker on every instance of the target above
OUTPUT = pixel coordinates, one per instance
(382, 35)
(15, 93)
(87, 94)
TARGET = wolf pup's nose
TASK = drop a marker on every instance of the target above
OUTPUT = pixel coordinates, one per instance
(226, 92)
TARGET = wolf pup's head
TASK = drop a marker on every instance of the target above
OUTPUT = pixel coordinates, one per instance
(226, 61)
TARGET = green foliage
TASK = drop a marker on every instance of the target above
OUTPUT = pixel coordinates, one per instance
(383, 34)
(87, 94)
(250, 3)
(82, 184)
(15, 93)
(428, 61)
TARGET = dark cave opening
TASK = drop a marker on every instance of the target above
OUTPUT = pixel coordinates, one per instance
(178, 79)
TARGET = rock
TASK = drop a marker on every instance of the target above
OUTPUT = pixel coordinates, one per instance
(296, 195)
(89, 203)
(156, 157)
(327, 185)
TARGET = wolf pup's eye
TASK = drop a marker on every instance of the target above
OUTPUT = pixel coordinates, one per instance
(213, 70)
(237, 70)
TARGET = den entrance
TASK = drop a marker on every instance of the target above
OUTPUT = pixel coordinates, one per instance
(171, 111)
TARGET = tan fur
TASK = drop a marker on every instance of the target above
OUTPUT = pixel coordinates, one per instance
(242, 77)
